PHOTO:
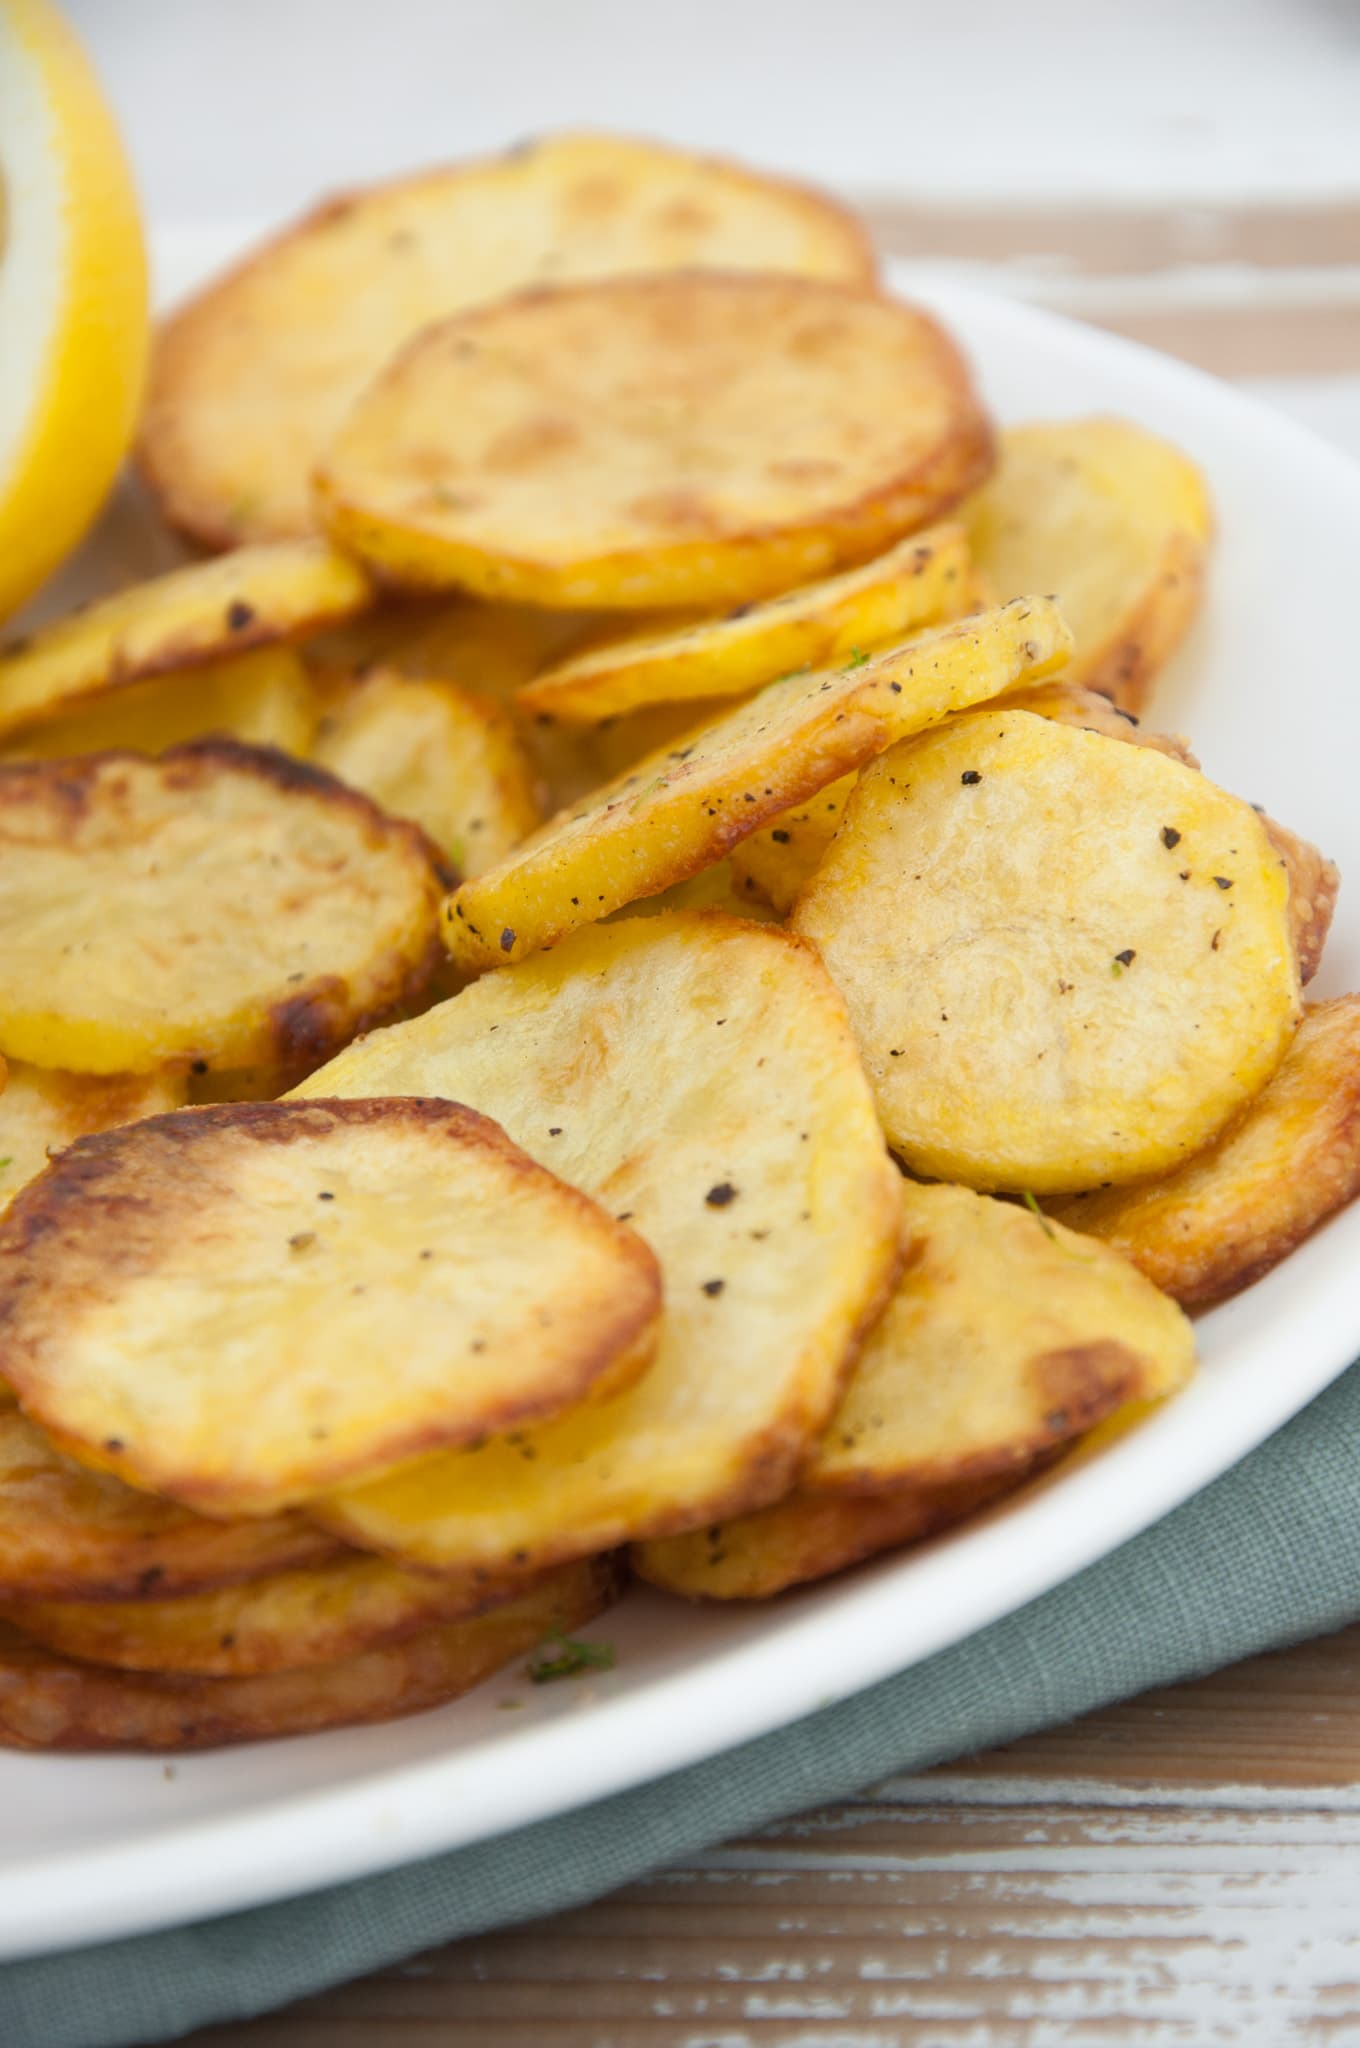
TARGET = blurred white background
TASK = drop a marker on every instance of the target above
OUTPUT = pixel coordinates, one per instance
(234, 105)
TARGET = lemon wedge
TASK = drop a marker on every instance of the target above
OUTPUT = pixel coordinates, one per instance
(73, 296)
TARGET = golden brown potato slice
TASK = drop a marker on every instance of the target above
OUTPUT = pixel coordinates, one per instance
(53, 1702)
(780, 861)
(43, 1111)
(820, 625)
(252, 378)
(221, 905)
(1230, 1214)
(687, 440)
(1004, 1340)
(655, 1063)
(1116, 523)
(266, 699)
(439, 755)
(204, 613)
(313, 1614)
(687, 805)
(67, 1533)
(241, 1306)
(1314, 884)
(807, 1536)
(1066, 960)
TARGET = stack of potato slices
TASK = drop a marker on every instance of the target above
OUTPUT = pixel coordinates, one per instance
(548, 979)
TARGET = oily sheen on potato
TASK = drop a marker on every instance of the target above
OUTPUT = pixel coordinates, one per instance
(1004, 1339)
(694, 1073)
(1239, 1207)
(222, 905)
(1067, 960)
(252, 378)
(241, 1306)
(694, 439)
(685, 806)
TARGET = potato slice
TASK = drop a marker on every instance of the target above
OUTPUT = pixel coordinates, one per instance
(252, 378)
(1066, 960)
(685, 806)
(203, 613)
(67, 1533)
(1314, 884)
(656, 1063)
(698, 439)
(780, 861)
(53, 1702)
(439, 755)
(1005, 1339)
(42, 1111)
(222, 905)
(313, 1614)
(266, 699)
(819, 626)
(1230, 1214)
(1115, 522)
(176, 1296)
(807, 1536)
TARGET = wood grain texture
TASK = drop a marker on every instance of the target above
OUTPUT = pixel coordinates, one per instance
(1174, 1871)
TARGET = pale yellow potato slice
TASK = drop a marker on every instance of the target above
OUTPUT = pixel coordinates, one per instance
(221, 906)
(67, 1533)
(1112, 520)
(1067, 960)
(1007, 1336)
(439, 755)
(252, 378)
(202, 613)
(311, 1614)
(691, 440)
(42, 1111)
(1234, 1211)
(821, 625)
(780, 861)
(53, 1702)
(696, 1075)
(266, 699)
(238, 1307)
(687, 805)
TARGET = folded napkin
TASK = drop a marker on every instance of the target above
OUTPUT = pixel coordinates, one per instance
(1267, 1555)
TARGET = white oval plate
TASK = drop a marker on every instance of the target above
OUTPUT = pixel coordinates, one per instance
(99, 1847)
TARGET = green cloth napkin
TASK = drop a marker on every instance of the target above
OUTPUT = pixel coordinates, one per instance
(1268, 1555)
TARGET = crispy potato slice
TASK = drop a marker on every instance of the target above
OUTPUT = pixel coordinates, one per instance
(252, 378)
(715, 889)
(222, 905)
(1066, 960)
(685, 806)
(202, 613)
(175, 1295)
(780, 861)
(1113, 520)
(807, 1536)
(654, 1063)
(53, 1702)
(1314, 884)
(1003, 1341)
(821, 625)
(696, 439)
(313, 1614)
(266, 699)
(439, 755)
(42, 1111)
(67, 1533)
(1230, 1214)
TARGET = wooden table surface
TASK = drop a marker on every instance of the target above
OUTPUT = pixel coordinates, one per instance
(1180, 1869)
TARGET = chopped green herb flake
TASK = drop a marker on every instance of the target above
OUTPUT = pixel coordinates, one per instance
(563, 1656)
